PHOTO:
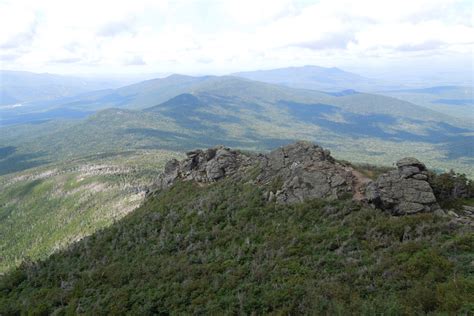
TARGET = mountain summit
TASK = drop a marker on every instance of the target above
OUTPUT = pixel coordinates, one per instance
(292, 231)
(311, 77)
(302, 171)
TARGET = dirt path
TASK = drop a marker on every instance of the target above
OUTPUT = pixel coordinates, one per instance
(360, 181)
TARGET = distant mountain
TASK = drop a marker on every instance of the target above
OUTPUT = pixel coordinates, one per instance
(22, 86)
(155, 91)
(456, 101)
(140, 95)
(250, 115)
(152, 92)
(314, 77)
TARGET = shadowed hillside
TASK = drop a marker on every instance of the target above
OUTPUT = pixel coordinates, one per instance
(249, 115)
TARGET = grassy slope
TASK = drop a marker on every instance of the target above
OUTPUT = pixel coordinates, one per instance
(220, 249)
(47, 208)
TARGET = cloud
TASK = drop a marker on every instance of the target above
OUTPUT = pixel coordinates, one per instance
(226, 36)
(428, 45)
(69, 60)
(115, 28)
(9, 57)
(257, 12)
(72, 47)
(330, 41)
(205, 60)
(22, 38)
(134, 61)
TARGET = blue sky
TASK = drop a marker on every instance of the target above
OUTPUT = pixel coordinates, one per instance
(217, 37)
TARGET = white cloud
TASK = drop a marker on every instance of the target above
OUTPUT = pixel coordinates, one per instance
(115, 28)
(246, 12)
(220, 36)
(134, 61)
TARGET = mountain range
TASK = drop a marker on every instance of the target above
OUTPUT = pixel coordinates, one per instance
(455, 101)
(99, 213)
(182, 112)
(18, 87)
(314, 78)
(450, 100)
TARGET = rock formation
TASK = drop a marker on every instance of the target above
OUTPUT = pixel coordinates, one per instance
(403, 191)
(304, 170)
(204, 166)
(290, 174)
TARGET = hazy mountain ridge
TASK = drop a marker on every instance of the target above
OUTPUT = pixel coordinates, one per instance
(308, 77)
(451, 100)
(336, 80)
(317, 78)
(252, 115)
(152, 92)
(22, 86)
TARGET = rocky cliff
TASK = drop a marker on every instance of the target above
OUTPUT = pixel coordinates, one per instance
(304, 170)
(289, 174)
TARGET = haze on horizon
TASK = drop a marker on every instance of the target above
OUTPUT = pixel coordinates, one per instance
(391, 38)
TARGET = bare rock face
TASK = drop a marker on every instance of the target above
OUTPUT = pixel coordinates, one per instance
(403, 191)
(291, 174)
(304, 170)
(204, 166)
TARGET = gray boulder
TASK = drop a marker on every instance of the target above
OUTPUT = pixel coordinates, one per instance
(289, 174)
(204, 166)
(403, 191)
(305, 170)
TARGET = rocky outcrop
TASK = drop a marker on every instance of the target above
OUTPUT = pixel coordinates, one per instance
(289, 174)
(403, 191)
(304, 170)
(204, 166)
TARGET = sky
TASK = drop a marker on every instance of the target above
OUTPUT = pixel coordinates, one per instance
(224, 36)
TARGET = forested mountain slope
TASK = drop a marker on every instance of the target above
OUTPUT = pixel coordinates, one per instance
(216, 242)
(45, 209)
(244, 114)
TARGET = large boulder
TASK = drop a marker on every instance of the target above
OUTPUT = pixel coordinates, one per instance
(403, 191)
(204, 166)
(304, 170)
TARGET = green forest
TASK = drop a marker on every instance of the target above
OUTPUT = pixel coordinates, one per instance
(223, 249)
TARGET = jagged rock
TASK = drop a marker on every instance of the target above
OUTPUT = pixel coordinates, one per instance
(403, 191)
(204, 166)
(410, 162)
(303, 170)
(306, 171)
(469, 209)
